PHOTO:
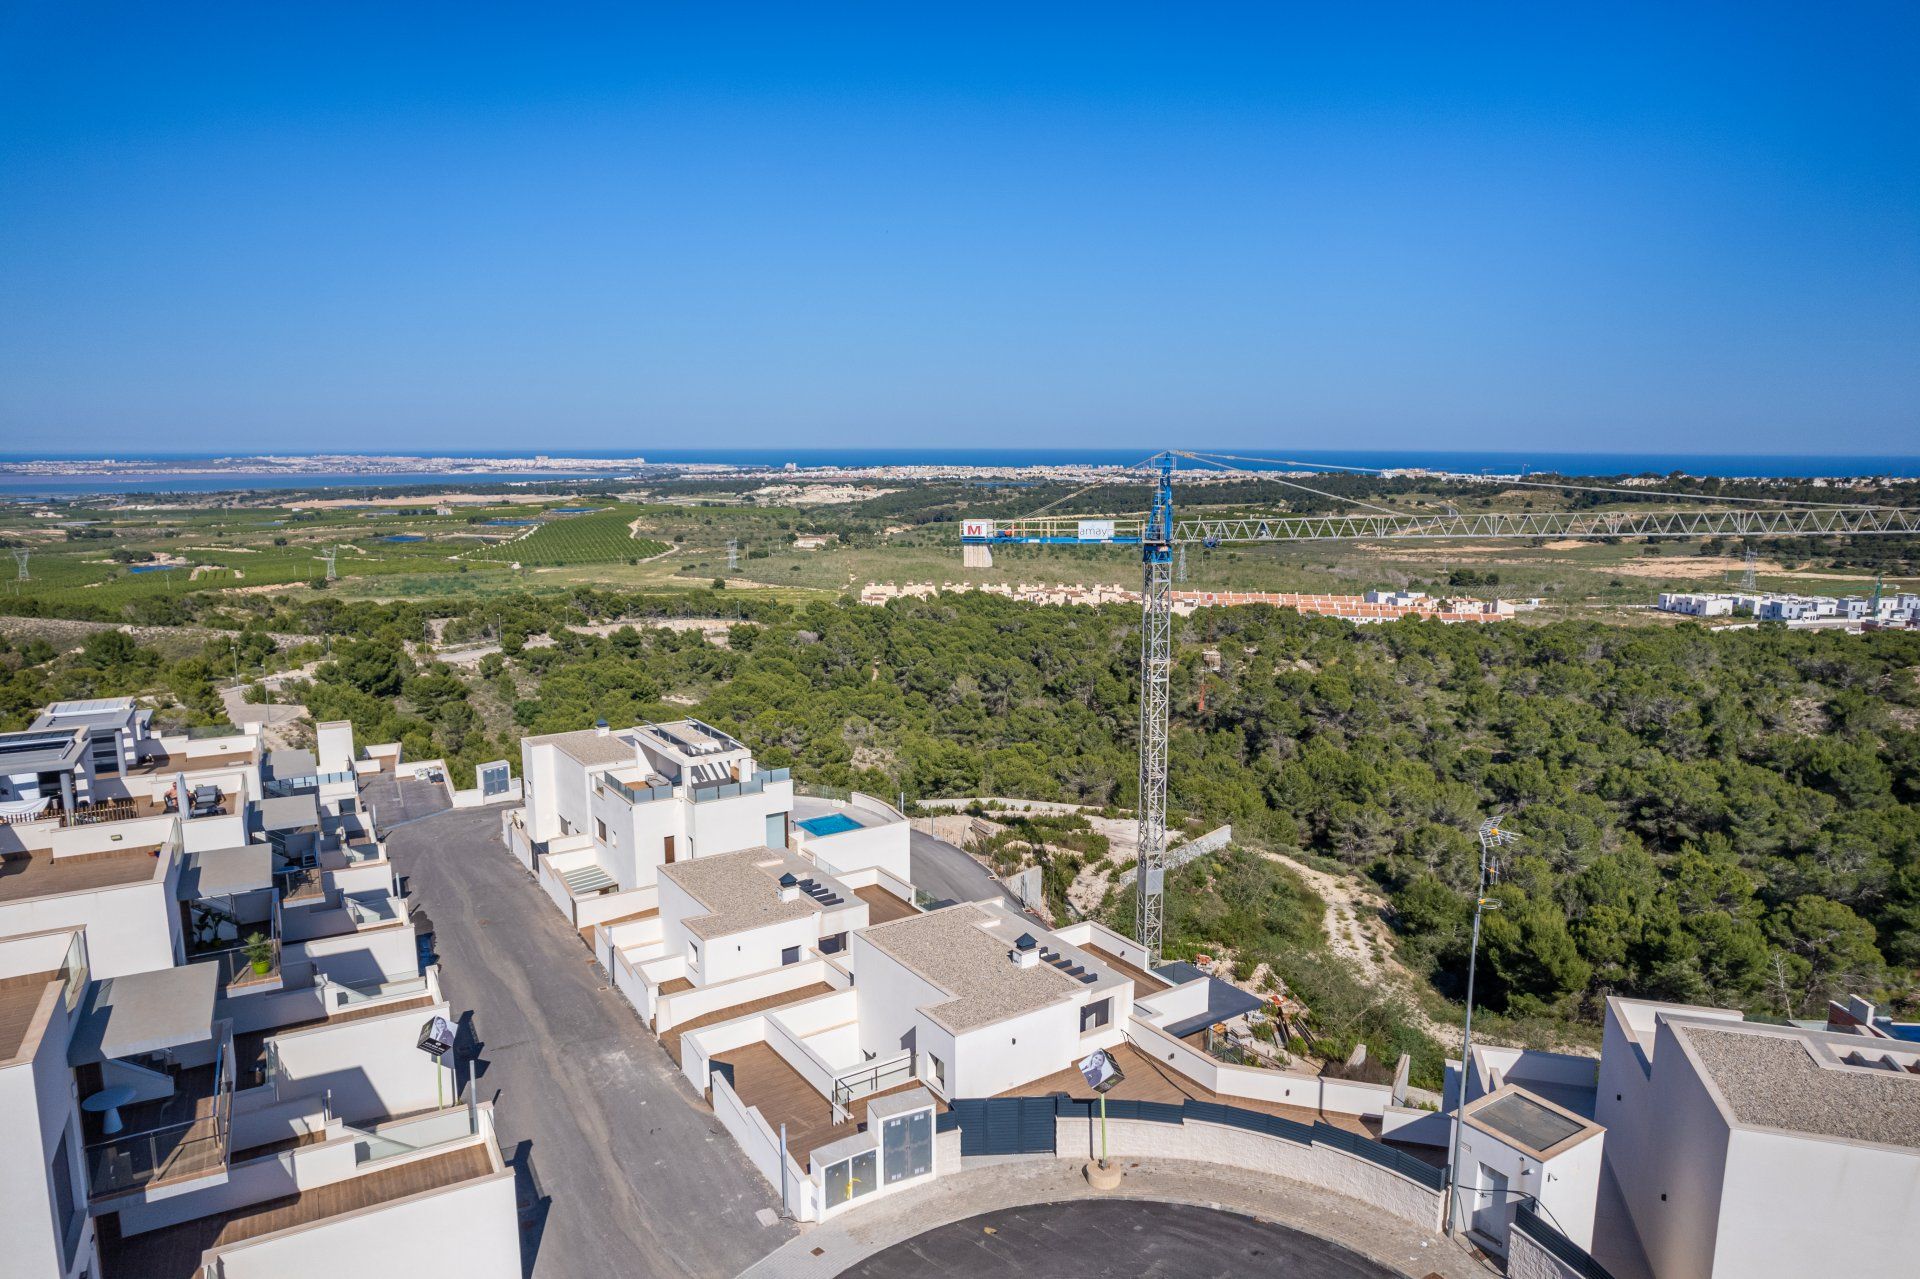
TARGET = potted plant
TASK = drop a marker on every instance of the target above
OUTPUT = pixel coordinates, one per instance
(259, 952)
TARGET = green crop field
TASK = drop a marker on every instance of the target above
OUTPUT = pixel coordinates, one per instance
(604, 537)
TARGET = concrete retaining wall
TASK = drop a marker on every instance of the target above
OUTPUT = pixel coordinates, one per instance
(1528, 1260)
(1322, 1166)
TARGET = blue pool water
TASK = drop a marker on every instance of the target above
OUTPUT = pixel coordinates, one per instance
(831, 824)
(509, 523)
(403, 537)
(152, 568)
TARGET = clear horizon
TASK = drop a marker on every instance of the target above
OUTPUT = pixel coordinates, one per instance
(1690, 231)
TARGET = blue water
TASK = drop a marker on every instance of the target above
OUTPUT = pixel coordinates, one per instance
(573, 510)
(403, 537)
(508, 523)
(153, 568)
(831, 824)
(244, 481)
(1827, 464)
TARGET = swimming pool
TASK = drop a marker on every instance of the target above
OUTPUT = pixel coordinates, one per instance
(831, 824)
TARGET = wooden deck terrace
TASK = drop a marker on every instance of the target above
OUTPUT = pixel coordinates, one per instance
(671, 1038)
(175, 1138)
(763, 1079)
(1150, 1080)
(882, 906)
(20, 999)
(24, 875)
(586, 933)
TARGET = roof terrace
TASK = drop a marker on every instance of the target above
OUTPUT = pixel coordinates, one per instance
(968, 951)
(754, 888)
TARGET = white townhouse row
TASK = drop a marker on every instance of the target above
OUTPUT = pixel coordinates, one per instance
(771, 935)
(778, 948)
(212, 1006)
(1770, 607)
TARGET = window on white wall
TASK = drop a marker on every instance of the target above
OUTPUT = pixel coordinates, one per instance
(68, 1216)
(1094, 1016)
(791, 955)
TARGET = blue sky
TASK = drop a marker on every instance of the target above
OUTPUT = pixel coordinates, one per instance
(1687, 227)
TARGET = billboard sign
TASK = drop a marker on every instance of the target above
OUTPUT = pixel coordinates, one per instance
(976, 528)
(1096, 530)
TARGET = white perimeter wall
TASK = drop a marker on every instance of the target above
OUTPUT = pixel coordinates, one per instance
(1793, 1205)
(387, 953)
(1079, 1138)
(884, 847)
(471, 1230)
(372, 1066)
(130, 929)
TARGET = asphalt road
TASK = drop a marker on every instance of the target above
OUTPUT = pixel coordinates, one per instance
(1122, 1238)
(950, 874)
(620, 1171)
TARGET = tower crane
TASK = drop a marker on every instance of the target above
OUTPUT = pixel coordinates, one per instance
(1160, 536)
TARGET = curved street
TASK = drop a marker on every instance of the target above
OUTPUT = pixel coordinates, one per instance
(1112, 1239)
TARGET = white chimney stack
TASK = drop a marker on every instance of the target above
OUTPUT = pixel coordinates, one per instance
(1025, 952)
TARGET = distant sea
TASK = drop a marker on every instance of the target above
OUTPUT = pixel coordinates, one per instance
(1502, 463)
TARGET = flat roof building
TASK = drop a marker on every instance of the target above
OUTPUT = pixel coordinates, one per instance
(1756, 1150)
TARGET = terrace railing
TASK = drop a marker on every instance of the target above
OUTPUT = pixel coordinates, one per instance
(753, 785)
(192, 1148)
(866, 1080)
(341, 994)
(100, 813)
(636, 794)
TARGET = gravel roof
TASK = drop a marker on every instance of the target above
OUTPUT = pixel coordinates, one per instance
(1773, 1080)
(741, 890)
(590, 746)
(963, 950)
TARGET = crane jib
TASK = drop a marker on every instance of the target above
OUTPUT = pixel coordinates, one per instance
(1820, 522)
(1159, 531)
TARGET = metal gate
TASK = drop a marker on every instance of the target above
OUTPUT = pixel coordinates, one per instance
(1005, 1125)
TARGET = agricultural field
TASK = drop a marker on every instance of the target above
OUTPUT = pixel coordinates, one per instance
(601, 536)
(105, 560)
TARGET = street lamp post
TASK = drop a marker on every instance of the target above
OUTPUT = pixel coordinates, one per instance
(1491, 837)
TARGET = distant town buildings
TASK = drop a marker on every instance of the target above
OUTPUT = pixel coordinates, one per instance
(1766, 606)
(1374, 606)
